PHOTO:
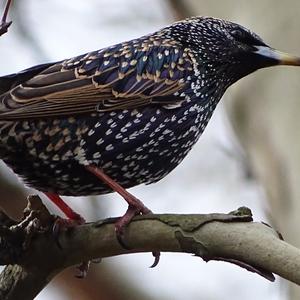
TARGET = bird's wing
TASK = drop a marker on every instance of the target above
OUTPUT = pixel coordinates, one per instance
(126, 75)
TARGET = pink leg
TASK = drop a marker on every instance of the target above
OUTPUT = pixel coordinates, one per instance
(135, 207)
(64, 207)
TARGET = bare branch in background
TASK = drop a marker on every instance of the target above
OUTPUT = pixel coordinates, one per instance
(35, 257)
(4, 25)
(180, 9)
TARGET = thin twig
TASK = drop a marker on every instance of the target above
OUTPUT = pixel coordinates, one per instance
(4, 25)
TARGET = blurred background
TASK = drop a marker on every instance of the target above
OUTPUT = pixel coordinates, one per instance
(249, 154)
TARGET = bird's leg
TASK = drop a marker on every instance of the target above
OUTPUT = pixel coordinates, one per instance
(135, 207)
(3, 23)
(74, 219)
(65, 208)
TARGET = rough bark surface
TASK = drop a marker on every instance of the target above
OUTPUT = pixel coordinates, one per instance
(33, 255)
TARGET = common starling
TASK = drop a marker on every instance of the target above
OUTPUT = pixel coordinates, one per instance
(124, 115)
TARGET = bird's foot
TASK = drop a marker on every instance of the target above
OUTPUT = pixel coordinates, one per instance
(123, 221)
(83, 269)
(60, 225)
(135, 207)
(73, 219)
(120, 225)
(63, 224)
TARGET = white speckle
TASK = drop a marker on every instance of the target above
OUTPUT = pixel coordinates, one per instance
(32, 152)
(65, 177)
(120, 156)
(132, 164)
(100, 141)
(128, 175)
(108, 132)
(97, 155)
(119, 136)
(109, 147)
(166, 131)
(67, 155)
(43, 156)
(91, 132)
(107, 165)
(80, 155)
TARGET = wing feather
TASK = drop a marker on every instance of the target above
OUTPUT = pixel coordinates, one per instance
(127, 75)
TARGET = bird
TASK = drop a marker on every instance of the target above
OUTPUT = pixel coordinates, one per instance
(124, 115)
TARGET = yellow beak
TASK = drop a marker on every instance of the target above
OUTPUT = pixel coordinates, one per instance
(281, 57)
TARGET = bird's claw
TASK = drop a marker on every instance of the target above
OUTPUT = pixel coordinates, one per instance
(123, 221)
(121, 224)
(83, 269)
(156, 255)
(61, 224)
(96, 260)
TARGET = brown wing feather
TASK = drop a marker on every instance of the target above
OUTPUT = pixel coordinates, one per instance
(120, 77)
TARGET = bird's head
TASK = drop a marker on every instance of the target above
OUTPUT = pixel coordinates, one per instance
(227, 47)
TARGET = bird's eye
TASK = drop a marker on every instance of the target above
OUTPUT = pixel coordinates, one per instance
(246, 38)
(237, 35)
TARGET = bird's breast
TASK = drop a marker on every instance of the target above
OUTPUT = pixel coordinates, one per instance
(132, 146)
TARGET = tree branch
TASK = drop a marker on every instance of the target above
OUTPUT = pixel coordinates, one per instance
(4, 25)
(35, 256)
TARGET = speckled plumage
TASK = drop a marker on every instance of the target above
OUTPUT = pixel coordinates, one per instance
(134, 109)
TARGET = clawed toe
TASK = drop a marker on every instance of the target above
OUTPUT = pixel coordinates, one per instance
(83, 269)
(61, 224)
(156, 255)
(123, 221)
(121, 224)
